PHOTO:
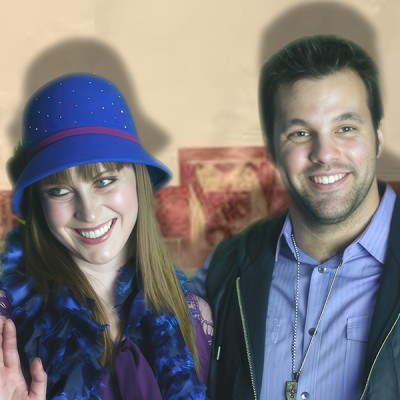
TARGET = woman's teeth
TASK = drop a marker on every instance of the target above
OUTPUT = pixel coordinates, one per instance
(95, 234)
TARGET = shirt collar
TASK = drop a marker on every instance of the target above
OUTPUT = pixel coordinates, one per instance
(285, 234)
(375, 237)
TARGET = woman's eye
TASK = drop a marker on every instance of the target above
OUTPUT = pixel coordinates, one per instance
(105, 182)
(57, 192)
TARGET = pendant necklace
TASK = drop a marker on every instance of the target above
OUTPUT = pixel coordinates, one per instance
(291, 386)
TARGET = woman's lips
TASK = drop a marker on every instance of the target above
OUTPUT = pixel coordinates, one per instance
(95, 235)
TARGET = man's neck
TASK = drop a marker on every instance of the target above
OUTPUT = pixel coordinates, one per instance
(322, 244)
(324, 241)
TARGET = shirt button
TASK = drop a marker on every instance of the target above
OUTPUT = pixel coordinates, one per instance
(311, 331)
(321, 270)
(305, 395)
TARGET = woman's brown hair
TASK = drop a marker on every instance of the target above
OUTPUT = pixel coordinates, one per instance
(52, 267)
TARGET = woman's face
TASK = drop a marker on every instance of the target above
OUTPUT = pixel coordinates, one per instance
(93, 218)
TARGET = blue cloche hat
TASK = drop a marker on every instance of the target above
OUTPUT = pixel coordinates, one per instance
(77, 119)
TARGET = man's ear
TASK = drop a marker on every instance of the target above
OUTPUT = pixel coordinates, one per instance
(379, 142)
(270, 155)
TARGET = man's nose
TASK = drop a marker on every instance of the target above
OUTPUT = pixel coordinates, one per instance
(325, 149)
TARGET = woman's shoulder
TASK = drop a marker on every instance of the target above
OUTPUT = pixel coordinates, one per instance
(204, 329)
(199, 307)
(201, 312)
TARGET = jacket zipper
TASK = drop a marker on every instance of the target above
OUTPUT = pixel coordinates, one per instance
(246, 338)
(376, 358)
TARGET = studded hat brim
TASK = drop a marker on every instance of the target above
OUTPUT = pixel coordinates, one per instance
(74, 151)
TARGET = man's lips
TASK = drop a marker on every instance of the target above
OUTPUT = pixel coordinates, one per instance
(96, 232)
(327, 179)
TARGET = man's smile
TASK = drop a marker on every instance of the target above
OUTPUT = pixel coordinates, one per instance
(327, 179)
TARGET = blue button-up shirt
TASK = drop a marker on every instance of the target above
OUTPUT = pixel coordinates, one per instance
(334, 367)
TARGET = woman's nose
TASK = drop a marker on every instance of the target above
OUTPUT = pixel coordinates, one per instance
(87, 207)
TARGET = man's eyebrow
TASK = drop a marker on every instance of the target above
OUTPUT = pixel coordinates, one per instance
(349, 116)
(297, 121)
(293, 122)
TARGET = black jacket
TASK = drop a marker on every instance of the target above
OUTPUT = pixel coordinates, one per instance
(238, 284)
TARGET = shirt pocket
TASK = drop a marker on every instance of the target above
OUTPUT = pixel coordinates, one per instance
(272, 330)
(358, 328)
(357, 332)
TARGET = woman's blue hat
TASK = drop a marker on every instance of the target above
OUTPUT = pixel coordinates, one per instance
(77, 119)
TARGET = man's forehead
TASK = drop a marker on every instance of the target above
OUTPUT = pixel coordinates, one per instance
(307, 90)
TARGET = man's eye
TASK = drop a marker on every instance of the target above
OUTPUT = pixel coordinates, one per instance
(57, 192)
(345, 129)
(298, 135)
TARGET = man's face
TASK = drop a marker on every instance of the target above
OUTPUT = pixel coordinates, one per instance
(326, 147)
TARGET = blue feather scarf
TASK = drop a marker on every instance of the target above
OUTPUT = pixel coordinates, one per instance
(70, 343)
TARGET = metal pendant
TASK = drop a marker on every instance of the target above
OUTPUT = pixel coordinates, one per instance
(291, 390)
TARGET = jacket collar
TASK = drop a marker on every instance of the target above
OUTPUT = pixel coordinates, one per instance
(255, 282)
(387, 307)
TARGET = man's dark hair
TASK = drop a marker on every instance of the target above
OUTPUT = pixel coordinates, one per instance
(314, 57)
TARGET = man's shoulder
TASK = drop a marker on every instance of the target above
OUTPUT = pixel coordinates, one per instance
(231, 254)
(253, 237)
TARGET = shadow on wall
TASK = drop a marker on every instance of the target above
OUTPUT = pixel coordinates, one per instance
(223, 190)
(318, 18)
(93, 56)
(326, 18)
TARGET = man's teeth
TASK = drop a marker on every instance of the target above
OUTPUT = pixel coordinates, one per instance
(96, 233)
(326, 180)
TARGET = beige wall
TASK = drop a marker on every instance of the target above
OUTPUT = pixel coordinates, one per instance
(188, 67)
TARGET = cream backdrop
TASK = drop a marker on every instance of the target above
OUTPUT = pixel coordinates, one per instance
(188, 67)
